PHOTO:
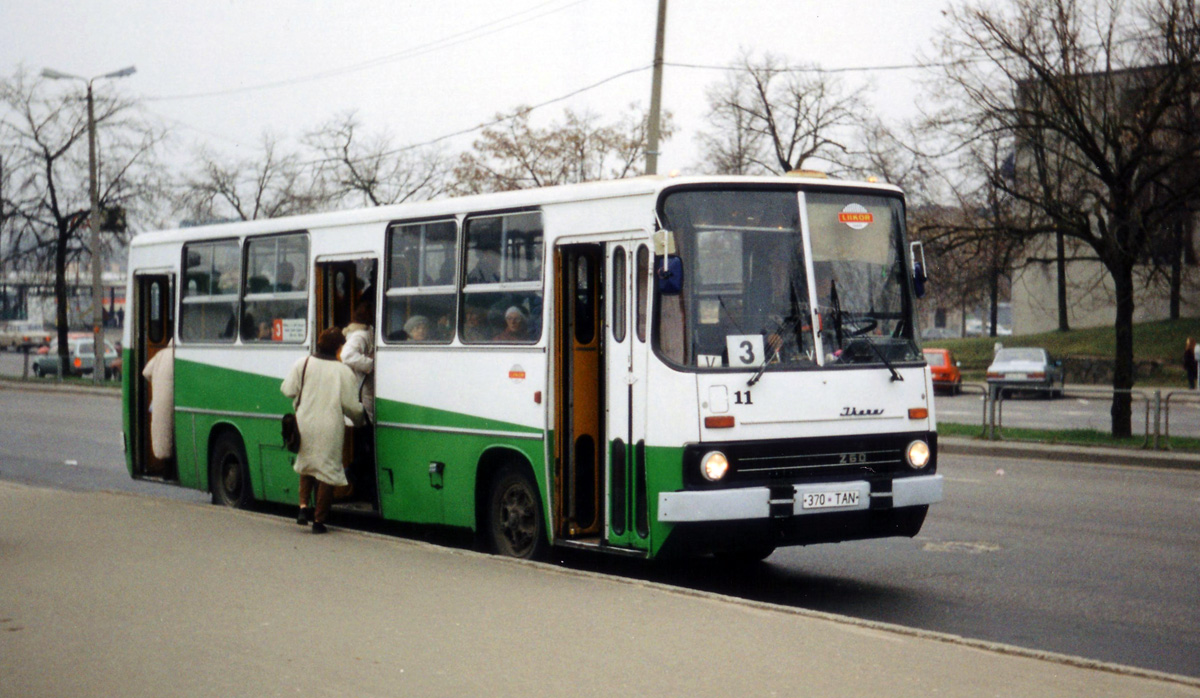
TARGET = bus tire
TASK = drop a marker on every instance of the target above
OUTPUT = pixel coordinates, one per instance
(515, 525)
(747, 555)
(229, 476)
(907, 521)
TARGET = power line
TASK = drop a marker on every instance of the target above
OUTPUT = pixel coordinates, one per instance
(502, 119)
(480, 127)
(809, 69)
(445, 42)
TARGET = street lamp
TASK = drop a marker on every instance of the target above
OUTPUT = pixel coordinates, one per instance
(98, 366)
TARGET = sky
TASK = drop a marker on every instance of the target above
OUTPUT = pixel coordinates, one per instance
(221, 72)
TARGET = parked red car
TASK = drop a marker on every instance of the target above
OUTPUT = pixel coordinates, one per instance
(946, 375)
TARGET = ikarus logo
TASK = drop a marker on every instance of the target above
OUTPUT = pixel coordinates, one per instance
(863, 412)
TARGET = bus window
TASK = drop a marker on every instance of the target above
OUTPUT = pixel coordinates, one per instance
(643, 290)
(618, 294)
(420, 295)
(155, 326)
(275, 305)
(502, 298)
(212, 271)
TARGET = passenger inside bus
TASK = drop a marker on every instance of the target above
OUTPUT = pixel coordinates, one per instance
(516, 326)
(286, 274)
(487, 267)
(417, 328)
(474, 324)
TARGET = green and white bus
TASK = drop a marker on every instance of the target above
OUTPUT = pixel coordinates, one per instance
(653, 366)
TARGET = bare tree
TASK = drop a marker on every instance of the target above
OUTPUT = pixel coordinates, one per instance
(46, 202)
(369, 168)
(769, 118)
(1098, 89)
(518, 155)
(272, 184)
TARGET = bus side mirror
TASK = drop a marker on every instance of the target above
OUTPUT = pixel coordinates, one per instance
(669, 271)
(917, 251)
(919, 280)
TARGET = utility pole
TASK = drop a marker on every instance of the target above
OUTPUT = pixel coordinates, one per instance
(97, 289)
(656, 92)
(98, 366)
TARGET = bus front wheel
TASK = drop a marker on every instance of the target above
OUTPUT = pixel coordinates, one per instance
(515, 523)
(228, 473)
(746, 555)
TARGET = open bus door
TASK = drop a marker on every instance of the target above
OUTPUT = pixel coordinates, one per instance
(153, 327)
(578, 461)
(342, 285)
(601, 298)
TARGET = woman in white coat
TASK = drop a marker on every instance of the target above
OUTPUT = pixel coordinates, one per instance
(160, 371)
(326, 391)
(359, 354)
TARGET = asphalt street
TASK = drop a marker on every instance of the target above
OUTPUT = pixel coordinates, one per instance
(1090, 560)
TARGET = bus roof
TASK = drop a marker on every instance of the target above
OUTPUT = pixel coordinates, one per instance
(589, 191)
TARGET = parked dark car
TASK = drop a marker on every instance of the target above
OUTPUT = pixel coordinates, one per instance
(1025, 368)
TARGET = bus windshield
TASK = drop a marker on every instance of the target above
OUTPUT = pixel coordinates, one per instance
(742, 295)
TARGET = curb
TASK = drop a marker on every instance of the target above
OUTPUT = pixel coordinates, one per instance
(56, 387)
(1069, 453)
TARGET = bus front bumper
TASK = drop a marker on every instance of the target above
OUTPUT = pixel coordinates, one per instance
(749, 503)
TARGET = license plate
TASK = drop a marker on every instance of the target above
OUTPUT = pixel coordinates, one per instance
(827, 500)
(1015, 376)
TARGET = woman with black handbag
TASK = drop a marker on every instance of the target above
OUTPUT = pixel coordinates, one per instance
(323, 390)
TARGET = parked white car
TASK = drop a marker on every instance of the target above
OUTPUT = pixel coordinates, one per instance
(1024, 368)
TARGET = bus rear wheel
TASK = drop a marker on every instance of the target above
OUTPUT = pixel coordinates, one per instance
(516, 527)
(228, 473)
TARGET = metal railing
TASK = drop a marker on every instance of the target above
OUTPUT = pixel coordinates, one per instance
(1184, 396)
(1156, 408)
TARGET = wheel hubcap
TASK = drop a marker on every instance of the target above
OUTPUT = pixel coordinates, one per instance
(231, 477)
(517, 521)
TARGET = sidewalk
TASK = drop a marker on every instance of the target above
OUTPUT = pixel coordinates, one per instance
(117, 595)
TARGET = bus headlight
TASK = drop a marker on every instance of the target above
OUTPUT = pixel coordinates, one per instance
(714, 465)
(917, 454)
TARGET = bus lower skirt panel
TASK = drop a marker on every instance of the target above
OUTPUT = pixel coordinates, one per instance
(716, 537)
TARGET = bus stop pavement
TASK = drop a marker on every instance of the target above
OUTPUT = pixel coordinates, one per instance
(106, 594)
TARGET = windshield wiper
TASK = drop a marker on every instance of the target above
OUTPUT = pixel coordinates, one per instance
(786, 327)
(781, 332)
(895, 374)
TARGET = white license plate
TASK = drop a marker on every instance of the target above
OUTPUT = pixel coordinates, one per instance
(827, 500)
(1015, 376)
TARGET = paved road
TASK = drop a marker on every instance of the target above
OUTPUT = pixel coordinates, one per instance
(1096, 561)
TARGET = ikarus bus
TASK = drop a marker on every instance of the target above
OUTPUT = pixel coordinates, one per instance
(649, 367)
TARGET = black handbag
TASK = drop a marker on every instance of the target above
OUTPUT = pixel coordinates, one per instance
(290, 429)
